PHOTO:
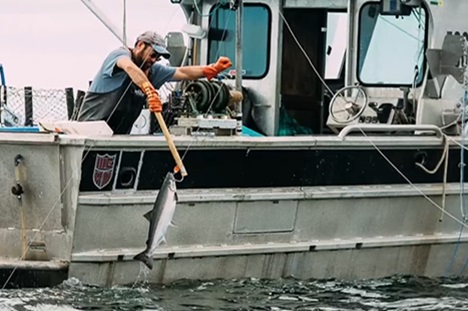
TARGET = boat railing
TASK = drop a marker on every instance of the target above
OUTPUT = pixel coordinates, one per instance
(401, 128)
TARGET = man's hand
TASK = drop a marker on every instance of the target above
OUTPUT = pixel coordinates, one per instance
(154, 102)
(213, 70)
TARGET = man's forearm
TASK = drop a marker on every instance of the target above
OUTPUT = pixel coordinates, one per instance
(138, 77)
(136, 74)
(189, 73)
(196, 72)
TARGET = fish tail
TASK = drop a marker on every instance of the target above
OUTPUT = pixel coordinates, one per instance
(144, 258)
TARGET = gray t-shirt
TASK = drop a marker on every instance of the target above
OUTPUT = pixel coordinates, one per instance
(113, 97)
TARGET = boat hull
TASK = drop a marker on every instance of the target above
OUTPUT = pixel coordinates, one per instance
(339, 232)
(310, 207)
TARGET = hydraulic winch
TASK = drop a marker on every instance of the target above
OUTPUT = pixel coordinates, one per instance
(204, 108)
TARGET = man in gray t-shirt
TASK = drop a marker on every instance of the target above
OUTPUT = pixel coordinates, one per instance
(128, 78)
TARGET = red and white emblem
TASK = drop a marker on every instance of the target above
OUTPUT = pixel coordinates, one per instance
(103, 170)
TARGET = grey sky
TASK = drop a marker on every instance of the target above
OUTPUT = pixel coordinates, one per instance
(60, 43)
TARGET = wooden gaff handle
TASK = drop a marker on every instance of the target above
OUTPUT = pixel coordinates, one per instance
(170, 143)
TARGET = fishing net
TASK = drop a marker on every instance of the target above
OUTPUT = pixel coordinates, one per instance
(288, 126)
(48, 104)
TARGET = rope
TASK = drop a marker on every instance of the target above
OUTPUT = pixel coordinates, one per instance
(444, 156)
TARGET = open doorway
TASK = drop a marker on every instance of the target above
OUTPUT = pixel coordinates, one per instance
(323, 36)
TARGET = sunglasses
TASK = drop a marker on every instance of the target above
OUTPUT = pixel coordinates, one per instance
(153, 54)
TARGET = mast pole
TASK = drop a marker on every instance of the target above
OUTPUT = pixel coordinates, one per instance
(239, 37)
(100, 15)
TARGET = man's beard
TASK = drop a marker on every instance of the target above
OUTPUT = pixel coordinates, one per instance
(140, 61)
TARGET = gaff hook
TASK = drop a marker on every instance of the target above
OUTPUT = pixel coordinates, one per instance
(177, 170)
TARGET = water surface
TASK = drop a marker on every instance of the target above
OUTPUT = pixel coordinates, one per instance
(395, 293)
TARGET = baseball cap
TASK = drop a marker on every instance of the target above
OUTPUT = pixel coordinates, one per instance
(156, 41)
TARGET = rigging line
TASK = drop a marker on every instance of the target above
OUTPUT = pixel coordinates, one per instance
(455, 251)
(57, 201)
(302, 49)
(457, 244)
(418, 55)
(419, 17)
(67, 184)
(462, 158)
(200, 13)
(456, 142)
(360, 128)
(462, 163)
(401, 29)
(409, 181)
(454, 254)
(131, 82)
(217, 93)
(444, 182)
(462, 167)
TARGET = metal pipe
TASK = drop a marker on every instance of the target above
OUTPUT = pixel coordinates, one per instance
(239, 38)
(2, 76)
(3, 96)
(100, 15)
(124, 26)
(390, 128)
(34, 265)
(78, 102)
(70, 98)
(28, 106)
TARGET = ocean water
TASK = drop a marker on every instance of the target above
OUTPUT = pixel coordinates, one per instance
(393, 293)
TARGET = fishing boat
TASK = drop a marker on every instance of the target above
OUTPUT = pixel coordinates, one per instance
(342, 158)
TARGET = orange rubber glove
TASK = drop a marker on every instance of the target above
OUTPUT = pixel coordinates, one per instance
(154, 101)
(213, 70)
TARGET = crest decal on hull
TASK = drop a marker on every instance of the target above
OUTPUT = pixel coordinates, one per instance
(103, 170)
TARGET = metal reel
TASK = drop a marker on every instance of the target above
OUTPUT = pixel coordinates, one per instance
(345, 109)
(208, 97)
(200, 94)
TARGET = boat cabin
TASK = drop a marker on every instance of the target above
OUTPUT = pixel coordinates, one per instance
(315, 67)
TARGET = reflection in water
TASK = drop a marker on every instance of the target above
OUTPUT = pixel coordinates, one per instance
(396, 293)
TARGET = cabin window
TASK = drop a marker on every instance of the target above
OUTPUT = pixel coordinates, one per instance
(256, 42)
(391, 48)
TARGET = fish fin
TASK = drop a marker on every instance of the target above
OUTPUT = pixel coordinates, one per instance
(173, 224)
(144, 258)
(148, 215)
(163, 241)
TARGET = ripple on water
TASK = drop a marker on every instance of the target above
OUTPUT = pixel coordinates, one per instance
(395, 293)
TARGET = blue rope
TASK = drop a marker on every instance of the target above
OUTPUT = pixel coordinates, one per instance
(462, 171)
(462, 188)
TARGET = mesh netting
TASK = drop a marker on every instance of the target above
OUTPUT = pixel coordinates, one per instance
(48, 104)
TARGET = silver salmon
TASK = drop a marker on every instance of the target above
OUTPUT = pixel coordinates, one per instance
(160, 217)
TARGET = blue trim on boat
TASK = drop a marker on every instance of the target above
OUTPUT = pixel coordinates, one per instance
(25, 129)
(249, 132)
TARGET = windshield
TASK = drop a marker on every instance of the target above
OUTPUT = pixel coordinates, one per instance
(391, 48)
(255, 51)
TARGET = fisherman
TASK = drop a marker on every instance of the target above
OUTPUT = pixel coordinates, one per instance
(128, 79)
